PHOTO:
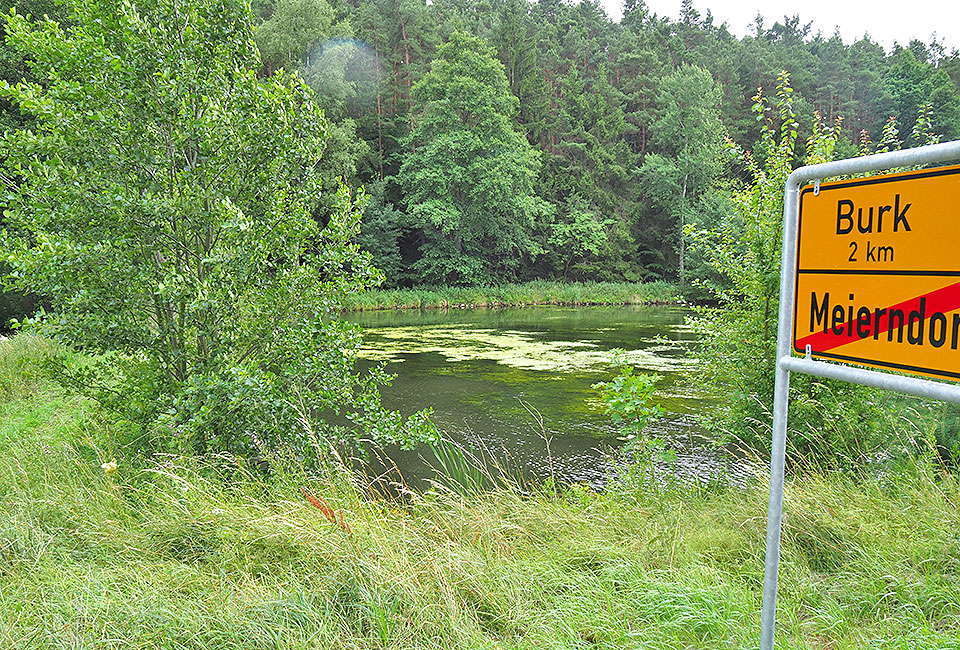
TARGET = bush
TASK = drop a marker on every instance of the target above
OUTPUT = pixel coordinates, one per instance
(628, 399)
(165, 210)
(830, 422)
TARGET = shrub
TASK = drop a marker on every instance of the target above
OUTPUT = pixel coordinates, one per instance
(830, 422)
(165, 209)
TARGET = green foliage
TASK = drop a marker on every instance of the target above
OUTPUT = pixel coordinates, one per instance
(380, 233)
(594, 100)
(13, 63)
(678, 181)
(745, 249)
(829, 422)
(457, 467)
(468, 178)
(588, 175)
(628, 399)
(579, 238)
(947, 435)
(890, 138)
(514, 37)
(292, 30)
(923, 131)
(164, 208)
(912, 84)
(304, 36)
(14, 307)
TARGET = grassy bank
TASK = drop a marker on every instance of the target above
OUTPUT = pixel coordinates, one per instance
(175, 552)
(515, 295)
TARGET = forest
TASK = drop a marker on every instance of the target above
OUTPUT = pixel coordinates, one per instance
(214, 434)
(507, 140)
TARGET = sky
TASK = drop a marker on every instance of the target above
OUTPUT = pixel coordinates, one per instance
(898, 22)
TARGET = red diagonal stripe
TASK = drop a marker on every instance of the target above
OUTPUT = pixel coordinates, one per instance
(944, 300)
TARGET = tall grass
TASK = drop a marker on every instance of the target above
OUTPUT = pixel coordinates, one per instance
(21, 364)
(539, 292)
(175, 552)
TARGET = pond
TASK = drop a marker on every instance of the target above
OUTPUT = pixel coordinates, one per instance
(516, 384)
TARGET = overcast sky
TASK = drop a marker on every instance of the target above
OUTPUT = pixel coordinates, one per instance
(885, 23)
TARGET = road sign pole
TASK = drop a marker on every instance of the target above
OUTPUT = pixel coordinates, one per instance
(785, 362)
(907, 385)
(781, 400)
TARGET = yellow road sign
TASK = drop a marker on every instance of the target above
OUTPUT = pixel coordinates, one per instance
(878, 272)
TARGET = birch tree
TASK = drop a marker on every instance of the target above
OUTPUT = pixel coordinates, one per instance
(689, 138)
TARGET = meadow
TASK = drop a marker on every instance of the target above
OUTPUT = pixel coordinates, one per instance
(101, 547)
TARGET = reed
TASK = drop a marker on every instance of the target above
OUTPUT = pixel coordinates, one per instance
(540, 292)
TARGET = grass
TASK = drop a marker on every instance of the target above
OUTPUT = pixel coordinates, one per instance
(20, 365)
(178, 552)
(539, 292)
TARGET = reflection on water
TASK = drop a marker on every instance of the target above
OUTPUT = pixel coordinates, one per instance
(509, 381)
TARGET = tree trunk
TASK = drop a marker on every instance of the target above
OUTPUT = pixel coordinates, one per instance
(379, 119)
(406, 70)
(643, 126)
(683, 239)
(396, 86)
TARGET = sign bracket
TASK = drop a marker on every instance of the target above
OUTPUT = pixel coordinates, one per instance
(787, 363)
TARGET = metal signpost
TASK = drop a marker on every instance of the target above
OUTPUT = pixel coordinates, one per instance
(870, 274)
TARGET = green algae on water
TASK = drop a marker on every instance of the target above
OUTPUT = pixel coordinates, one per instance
(516, 349)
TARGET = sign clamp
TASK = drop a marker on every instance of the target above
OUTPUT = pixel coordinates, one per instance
(786, 362)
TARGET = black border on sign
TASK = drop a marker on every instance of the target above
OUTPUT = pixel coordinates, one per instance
(856, 182)
(887, 364)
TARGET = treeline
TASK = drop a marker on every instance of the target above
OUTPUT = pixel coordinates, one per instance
(506, 140)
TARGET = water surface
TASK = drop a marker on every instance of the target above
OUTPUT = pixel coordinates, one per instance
(513, 381)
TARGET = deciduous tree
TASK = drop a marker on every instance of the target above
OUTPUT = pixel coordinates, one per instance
(164, 207)
(689, 137)
(468, 178)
